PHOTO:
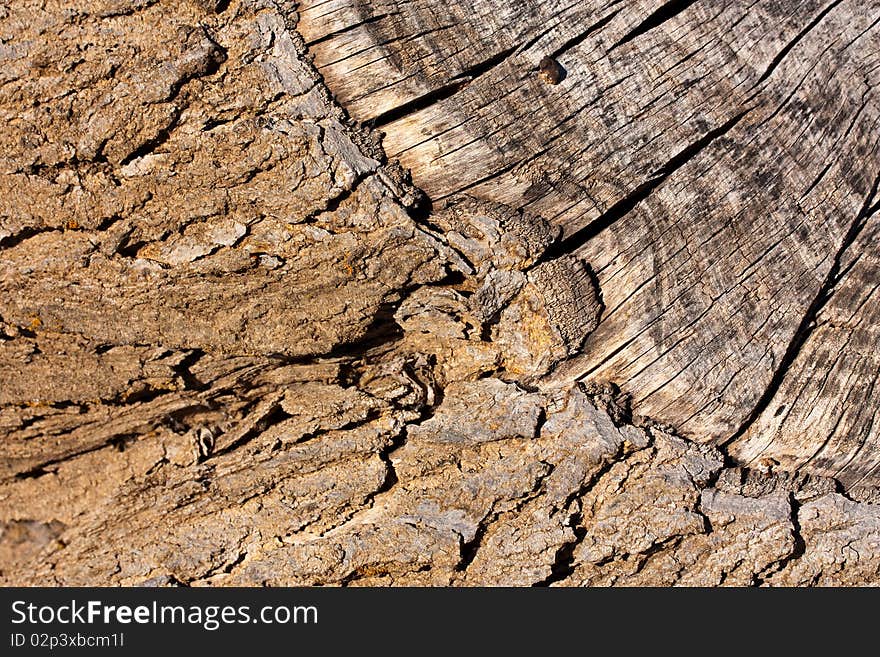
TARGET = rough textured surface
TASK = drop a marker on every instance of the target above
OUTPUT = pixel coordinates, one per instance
(238, 347)
(717, 163)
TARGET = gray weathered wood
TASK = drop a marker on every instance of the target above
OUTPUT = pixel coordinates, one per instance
(715, 163)
(238, 347)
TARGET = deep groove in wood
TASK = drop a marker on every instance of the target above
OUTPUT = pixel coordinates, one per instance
(664, 13)
(446, 91)
(625, 205)
(808, 321)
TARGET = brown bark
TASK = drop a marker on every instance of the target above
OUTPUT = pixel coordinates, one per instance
(239, 346)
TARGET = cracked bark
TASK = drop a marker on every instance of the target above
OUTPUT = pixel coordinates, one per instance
(708, 191)
(239, 346)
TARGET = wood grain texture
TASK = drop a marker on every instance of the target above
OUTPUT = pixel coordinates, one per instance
(715, 162)
(236, 346)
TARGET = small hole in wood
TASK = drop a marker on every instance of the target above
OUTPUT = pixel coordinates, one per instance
(551, 71)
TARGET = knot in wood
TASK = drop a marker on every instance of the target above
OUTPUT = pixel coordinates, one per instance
(550, 71)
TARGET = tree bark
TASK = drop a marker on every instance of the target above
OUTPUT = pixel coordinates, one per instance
(395, 293)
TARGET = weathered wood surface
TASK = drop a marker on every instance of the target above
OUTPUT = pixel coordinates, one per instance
(717, 163)
(236, 347)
